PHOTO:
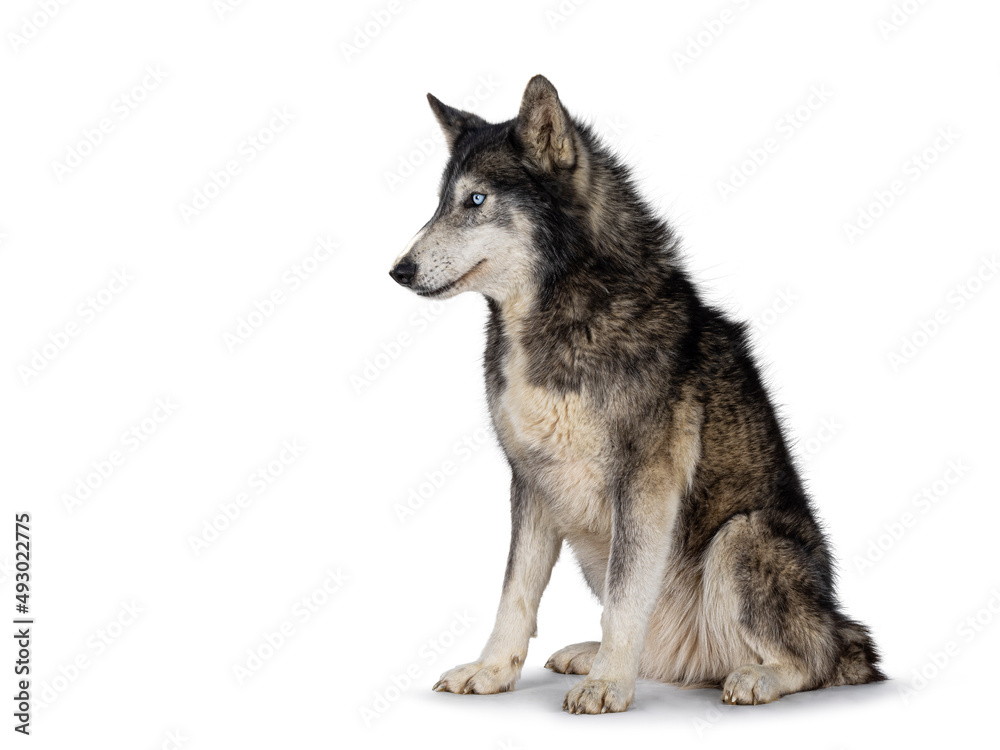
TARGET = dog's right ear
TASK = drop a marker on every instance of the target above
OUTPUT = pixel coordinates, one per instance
(544, 127)
(453, 121)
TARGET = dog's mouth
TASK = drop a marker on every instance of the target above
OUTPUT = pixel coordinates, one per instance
(451, 284)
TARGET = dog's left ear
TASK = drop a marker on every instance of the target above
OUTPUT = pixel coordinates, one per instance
(544, 127)
(453, 121)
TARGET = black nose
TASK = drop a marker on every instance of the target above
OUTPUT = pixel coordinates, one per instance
(404, 272)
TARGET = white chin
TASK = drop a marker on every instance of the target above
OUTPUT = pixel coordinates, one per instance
(451, 288)
(441, 292)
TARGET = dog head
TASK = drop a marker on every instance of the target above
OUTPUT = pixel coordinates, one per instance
(499, 182)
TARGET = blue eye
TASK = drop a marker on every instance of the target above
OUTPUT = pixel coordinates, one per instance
(477, 199)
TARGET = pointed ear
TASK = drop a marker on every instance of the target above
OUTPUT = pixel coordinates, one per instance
(544, 127)
(453, 121)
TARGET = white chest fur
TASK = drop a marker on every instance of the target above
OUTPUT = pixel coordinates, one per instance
(558, 438)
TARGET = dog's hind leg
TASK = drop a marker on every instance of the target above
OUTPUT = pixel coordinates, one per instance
(769, 599)
(534, 549)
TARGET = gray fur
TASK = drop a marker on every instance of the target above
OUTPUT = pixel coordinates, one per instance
(637, 427)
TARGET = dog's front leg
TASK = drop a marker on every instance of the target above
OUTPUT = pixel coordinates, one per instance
(534, 549)
(643, 514)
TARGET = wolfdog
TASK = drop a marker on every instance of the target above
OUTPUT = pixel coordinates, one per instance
(637, 428)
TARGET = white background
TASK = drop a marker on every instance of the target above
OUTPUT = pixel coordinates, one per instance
(359, 163)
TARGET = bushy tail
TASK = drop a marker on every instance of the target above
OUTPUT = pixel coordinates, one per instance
(858, 663)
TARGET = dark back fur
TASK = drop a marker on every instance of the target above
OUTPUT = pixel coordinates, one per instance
(616, 314)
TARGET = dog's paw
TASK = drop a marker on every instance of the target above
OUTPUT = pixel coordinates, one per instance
(750, 685)
(575, 659)
(478, 678)
(599, 697)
